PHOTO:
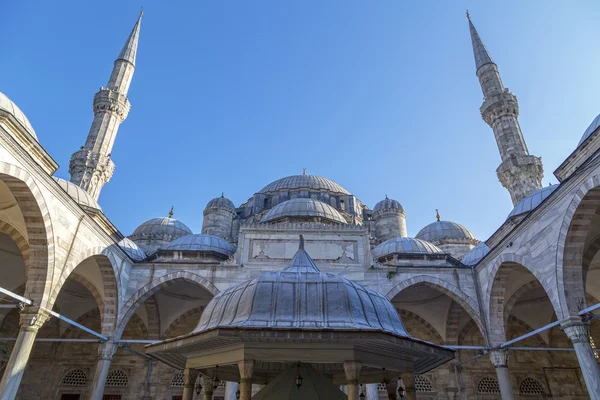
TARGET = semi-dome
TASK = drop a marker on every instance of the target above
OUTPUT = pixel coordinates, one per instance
(78, 194)
(476, 254)
(7, 105)
(303, 208)
(532, 201)
(405, 245)
(132, 249)
(202, 242)
(388, 204)
(304, 182)
(162, 227)
(590, 129)
(301, 297)
(440, 230)
(221, 202)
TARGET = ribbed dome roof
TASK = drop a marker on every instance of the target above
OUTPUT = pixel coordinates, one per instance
(163, 228)
(405, 245)
(532, 201)
(444, 230)
(304, 208)
(476, 254)
(388, 204)
(202, 242)
(304, 182)
(590, 129)
(80, 196)
(301, 297)
(221, 202)
(7, 105)
(132, 249)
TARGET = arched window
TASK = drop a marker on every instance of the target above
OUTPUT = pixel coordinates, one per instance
(342, 205)
(75, 377)
(488, 385)
(265, 204)
(422, 384)
(177, 381)
(117, 378)
(531, 386)
(333, 202)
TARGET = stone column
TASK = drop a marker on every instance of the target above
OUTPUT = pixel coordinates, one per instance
(499, 359)
(106, 351)
(189, 383)
(372, 391)
(230, 389)
(31, 320)
(146, 386)
(208, 388)
(246, 368)
(392, 389)
(410, 393)
(577, 331)
(352, 370)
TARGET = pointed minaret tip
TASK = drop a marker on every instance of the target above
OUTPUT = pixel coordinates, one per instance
(480, 52)
(129, 51)
(468, 15)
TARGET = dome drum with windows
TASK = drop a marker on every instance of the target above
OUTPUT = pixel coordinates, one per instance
(322, 320)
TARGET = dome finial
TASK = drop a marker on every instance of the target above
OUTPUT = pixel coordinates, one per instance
(386, 196)
(222, 194)
(437, 214)
(301, 246)
(171, 212)
(303, 171)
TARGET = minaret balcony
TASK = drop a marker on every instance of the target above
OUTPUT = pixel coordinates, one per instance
(499, 105)
(112, 101)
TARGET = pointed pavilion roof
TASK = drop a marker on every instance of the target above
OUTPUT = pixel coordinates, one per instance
(129, 51)
(480, 52)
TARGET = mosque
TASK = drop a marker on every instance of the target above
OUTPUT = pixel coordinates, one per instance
(302, 291)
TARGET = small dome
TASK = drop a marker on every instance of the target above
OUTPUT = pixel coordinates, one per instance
(590, 129)
(304, 182)
(388, 204)
(530, 202)
(132, 249)
(7, 105)
(304, 298)
(405, 245)
(221, 202)
(78, 194)
(202, 242)
(304, 208)
(476, 254)
(439, 230)
(162, 227)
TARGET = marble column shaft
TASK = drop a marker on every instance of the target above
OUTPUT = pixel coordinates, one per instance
(352, 370)
(578, 332)
(246, 368)
(189, 383)
(106, 351)
(500, 362)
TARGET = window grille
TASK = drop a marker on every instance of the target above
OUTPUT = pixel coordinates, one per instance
(222, 384)
(75, 377)
(117, 378)
(177, 380)
(531, 386)
(423, 384)
(488, 385)
(382, 387)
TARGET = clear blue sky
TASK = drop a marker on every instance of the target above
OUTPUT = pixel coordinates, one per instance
(380, 97)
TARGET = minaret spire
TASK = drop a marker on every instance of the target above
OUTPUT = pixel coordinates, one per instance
(520, 173)
(91, 167)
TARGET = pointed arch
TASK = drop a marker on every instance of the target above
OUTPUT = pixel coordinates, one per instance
(444, 287)
(405, 314)
(130, 307)
(193, 312)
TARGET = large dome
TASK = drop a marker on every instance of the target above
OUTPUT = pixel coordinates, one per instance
(202, 242)
(388, 204)
(132, 249)
(303, 208)
(405, 245)
(161, 228)
(301, 297)
(476, 254)
(78, 194)
(590, 129)
(532, 201)
(440, 230)
(7, 105)
(304, 182)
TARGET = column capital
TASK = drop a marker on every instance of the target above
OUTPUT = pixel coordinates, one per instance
(246, 368)
(31, 318)
(107, 350)
(576, 329)
(352, 370)
(499, 358)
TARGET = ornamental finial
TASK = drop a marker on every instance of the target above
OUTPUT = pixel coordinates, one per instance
(222, 194)
(437, 214)
(171, 212)
(468, 15)
(301, 247)
(141, 11)
(303, 171)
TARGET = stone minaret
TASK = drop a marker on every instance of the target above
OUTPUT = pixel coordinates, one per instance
(91, 167)
(520, 173)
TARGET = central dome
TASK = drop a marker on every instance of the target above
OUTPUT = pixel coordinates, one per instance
(301, 297)
(304, 208)
(304, 182)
